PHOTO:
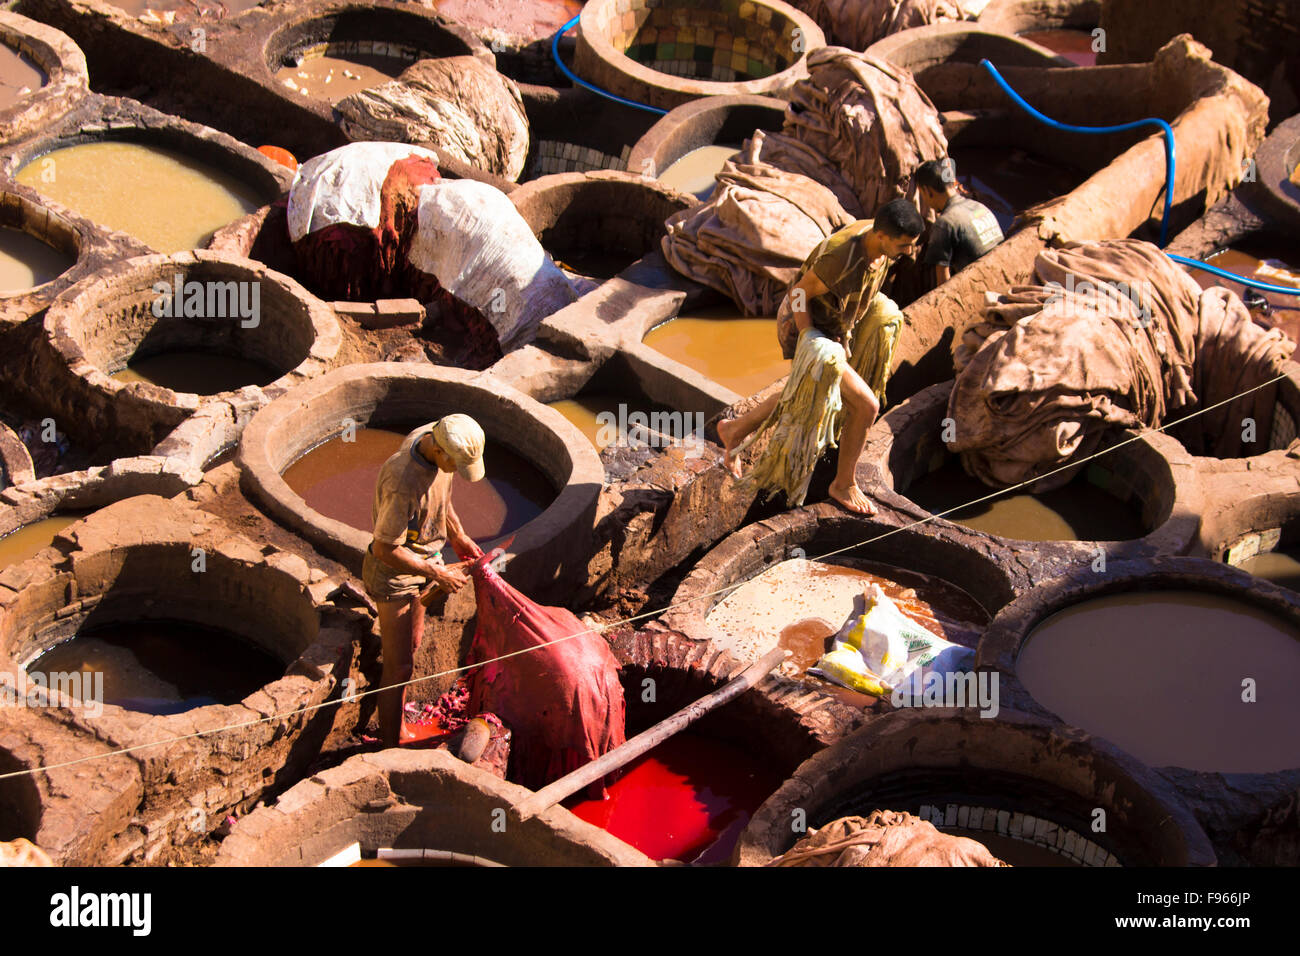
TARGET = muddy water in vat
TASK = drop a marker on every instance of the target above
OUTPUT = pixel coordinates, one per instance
(165, 199)
(1280, 266)
(799, 604)
(26, 262)
(199, 373)
(1080, 511)
(583, 411)
(687, 799)
(337, 478)
(17, 546)
(1074, 45)
(695, 172)
(734, 350)
(1160, 674)
(1280, 567)
(18, 76)
(332, 78)
(1009, 181)
(164, 667)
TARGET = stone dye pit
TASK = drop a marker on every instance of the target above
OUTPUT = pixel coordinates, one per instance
(19, 76)
(1274, 263)
(738, 352)
(666, 53)
(17, 546)
(972, 777)
(1075, 45)
(337, 479)
(199, 321)
(1160, 674)
(137, 188)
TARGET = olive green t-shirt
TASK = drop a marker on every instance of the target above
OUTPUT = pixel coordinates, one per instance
(840, 262)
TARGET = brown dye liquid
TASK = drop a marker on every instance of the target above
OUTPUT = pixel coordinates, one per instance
(601, 264)
(17, 546)
(582, 410)
(332, 78)
(1015, 852)
(1285, 309)
(696, 171)
(164, 667)
(1078, 512)
(1074, 45)
(1160, 674)
(199, 373)
(1009, 181)
(337, 478)
(18, 76)
(26, 262)
(165, 199)
(1280, 567)
(733, 350)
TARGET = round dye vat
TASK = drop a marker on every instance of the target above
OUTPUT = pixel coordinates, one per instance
(1280, 567)
(592, 263)
(1009, 181)
(1079, 511)
(401, 861)
(1074, 45)
(199, 373)
(696, 171)
(687, 799)
(165, 199)
(538, 19)
(1254, 263)
(332, 78)
(798, 604)
(214, 9)
(18, 76)
(17, 546)
(583, 411)
(337, 478)
(26, 262)
(1160, 674)
(164, 667)
(738, 352)
(1012, 851)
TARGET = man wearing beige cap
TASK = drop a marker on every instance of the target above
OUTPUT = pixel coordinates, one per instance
(414, 519)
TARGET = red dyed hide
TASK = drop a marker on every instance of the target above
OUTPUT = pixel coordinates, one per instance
(563, 703)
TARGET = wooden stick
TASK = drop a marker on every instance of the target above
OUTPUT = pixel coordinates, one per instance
(571, 783)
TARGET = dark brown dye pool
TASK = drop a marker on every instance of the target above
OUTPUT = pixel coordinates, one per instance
(198, 373)
(164, 667)
(1176, 678)
(1080, 511)
(1276, 266)
(337, 478)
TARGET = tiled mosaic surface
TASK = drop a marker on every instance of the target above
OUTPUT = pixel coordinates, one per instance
(726, 40)
(1021, 826)
(554, 156)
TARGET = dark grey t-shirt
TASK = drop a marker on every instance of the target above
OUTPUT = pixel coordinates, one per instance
(964, 231)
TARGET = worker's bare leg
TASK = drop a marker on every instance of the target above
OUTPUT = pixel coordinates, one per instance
(733, 431)
(861, 408)
(395, 620)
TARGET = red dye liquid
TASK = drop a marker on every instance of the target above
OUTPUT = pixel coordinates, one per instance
(688, 799)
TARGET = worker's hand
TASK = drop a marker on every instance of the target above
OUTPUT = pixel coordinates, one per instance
(450, 577)
(473, 552)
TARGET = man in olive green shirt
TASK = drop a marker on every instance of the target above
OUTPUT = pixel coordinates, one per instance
(413, 520)
(831, 293)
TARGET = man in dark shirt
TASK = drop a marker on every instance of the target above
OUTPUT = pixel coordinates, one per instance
(965, 229)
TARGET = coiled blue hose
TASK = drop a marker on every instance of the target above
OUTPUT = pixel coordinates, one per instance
(577, 81)
(1170, 168)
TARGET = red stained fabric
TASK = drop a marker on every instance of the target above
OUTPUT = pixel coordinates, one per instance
(563, 703)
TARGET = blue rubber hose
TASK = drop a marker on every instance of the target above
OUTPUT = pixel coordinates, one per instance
(1170, 163)
(574, 78)
(1225, 274)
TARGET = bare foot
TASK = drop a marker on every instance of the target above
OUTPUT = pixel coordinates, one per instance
(852, 498)
(727, 432)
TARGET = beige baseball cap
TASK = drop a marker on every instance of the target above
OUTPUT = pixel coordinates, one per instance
(461, 438)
